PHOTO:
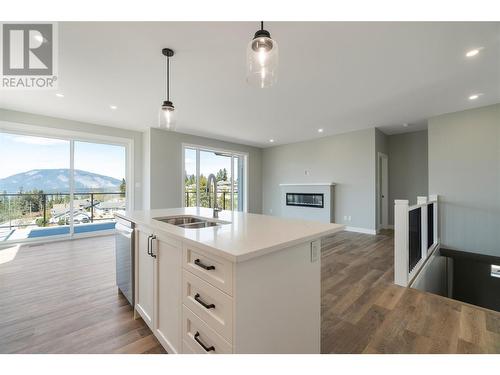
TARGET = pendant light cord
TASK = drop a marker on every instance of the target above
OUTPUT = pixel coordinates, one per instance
(168, 78)
(262, 25)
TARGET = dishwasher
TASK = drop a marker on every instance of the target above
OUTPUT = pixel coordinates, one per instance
(124, 248)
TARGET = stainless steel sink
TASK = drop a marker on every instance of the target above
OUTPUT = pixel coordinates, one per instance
(179, 220)
(190, 222)
(203, 224)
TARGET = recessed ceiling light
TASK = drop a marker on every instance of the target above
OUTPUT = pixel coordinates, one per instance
(473, 52)
(271, 140)
(405, 125)
(113, 107)
(59, 95)
(474, 96)
(320, 130)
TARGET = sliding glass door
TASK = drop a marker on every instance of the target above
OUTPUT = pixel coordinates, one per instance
(34, 178)
(58, 187)
(229, 169)
(99, 185)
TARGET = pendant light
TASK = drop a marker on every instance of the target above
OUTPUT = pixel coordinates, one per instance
(262, 59)
(167, 109)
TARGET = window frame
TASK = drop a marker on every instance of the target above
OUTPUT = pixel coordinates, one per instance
(233, 154)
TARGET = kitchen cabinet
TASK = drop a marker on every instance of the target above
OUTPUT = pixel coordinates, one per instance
(145, 269)
(168, 292)
(158, 286)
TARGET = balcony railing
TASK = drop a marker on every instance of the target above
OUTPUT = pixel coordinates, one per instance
(23, 210)
(416, 237)
(223, 199)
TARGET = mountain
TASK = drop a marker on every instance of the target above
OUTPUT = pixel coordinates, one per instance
(57, 180)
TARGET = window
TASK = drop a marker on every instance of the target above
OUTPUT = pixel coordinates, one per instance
(58, 187)
(229, 169)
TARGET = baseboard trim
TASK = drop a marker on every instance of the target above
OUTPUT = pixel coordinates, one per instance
(361, 230)
(382, 227)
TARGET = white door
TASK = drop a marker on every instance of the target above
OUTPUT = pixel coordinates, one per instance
(383, 190)
(144, 299)
(169, 292)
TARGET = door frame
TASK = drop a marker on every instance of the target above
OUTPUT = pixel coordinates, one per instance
(382, 191)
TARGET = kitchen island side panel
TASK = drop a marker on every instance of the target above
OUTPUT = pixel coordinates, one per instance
(277, 305)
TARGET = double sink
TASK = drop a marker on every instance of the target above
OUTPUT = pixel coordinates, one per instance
(190, 222)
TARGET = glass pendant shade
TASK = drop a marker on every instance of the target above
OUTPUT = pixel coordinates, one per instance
(262, 62)
(167, 116)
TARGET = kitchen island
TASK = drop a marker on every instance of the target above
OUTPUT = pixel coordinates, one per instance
(246, 283)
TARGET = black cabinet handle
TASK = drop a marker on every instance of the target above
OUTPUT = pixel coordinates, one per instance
(149, 244)
(207, 348)
(153, 237)
(204, 266)
(200, 301)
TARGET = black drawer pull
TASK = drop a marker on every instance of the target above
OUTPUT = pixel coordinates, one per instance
(200, 301)
(153, 237)
(204, 266)
(207, 348)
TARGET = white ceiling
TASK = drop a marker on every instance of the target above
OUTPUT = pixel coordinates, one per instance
(338, 76)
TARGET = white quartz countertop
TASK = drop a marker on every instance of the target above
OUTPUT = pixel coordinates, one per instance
(247, 236)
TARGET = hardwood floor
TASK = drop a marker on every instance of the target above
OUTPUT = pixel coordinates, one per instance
(61, 298)
(364, 312)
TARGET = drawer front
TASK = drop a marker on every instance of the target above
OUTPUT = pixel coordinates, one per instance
(200, 337)
(214, 270)
(210, 304)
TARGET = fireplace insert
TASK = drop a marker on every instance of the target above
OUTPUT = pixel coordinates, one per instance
(315, 200)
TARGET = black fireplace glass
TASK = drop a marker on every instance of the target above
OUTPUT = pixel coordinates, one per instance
(305, 199)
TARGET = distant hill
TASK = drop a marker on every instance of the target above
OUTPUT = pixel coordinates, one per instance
(57, 180)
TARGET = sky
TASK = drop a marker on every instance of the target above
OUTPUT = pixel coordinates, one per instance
(209, 163)
(19, 153)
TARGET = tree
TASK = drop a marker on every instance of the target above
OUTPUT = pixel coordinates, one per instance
(31, 201)
(123, 188)
(221, 175)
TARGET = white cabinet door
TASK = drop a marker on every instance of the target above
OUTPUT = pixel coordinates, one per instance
(168, 253)
(144, 299)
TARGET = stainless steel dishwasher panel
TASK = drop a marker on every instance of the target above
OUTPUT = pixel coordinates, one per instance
(124, 248)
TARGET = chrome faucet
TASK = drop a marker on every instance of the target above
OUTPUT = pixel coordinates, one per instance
(211, 178)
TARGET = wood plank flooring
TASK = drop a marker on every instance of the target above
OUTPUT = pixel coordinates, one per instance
(61, 298)
(364, 312)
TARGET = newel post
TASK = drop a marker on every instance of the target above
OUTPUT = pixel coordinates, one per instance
(401, 259)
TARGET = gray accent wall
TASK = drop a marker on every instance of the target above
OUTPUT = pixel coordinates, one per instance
(164, 172)
(408, 168)
(84, 127)
(382, 146)
(464, 169)
(345, 159)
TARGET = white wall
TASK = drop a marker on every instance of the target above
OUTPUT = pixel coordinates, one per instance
(464, 169)
(408, 168)
(165, 171)
(54, 123)
(345, 159)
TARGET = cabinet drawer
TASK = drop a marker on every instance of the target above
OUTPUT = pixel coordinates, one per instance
(210, 304)
(213, 269)
(200, 337)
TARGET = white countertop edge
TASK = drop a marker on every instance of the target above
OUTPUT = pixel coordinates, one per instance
(256, 253)
(311, 184)
(231, 257)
